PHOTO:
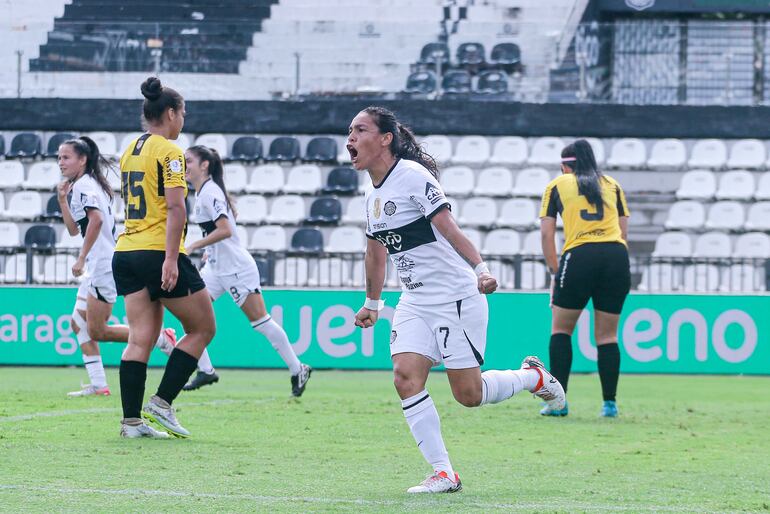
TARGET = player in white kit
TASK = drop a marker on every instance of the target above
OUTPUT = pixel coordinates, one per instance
(229, 267)
(89, 212)
(441, 315)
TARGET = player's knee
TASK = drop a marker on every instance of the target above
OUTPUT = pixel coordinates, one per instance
(405, 384)
(97, 331)
(468, 398)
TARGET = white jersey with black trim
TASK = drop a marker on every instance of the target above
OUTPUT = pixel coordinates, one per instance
(88, 194)
(227, 256)
(398, 214)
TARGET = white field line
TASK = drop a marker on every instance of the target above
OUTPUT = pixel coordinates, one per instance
(96, 410)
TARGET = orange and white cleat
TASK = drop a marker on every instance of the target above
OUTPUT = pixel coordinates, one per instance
(548, 388)
(438, 482)
(90, 390)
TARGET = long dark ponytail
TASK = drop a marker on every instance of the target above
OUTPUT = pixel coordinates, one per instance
(96, 164)
(403, 145)
(580, 157)
(216, 169)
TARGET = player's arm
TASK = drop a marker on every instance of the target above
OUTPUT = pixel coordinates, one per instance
(218, 234)
(623, 222)
(62, 190)
(548, 242)
(374, 263)
(95, 221)
(174, 226)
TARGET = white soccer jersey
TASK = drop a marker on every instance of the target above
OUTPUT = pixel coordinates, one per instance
(88, 194)
(398, 213)
(227, 256)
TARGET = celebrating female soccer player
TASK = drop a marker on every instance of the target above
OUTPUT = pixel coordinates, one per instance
(594, 265)
(90, 213)
(229, 267)
(151, 269)
(441, 317)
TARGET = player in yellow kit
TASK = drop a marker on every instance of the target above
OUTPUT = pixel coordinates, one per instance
(151, 268)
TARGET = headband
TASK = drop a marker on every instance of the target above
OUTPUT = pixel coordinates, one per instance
(568, 159)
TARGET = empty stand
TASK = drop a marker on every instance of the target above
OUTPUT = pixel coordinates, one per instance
(421, 82)
(546, 152)
(712, 245)
(266, 179)
(457, 180)
(307, 240)
(479, 212)
(303, 179)
(287, 210)
(246, 148)
(9, 235)
(763, 187)
(235, 178)
(531, 182)
(268, 237)
(43, 175)
(346, 240)
(501, 242)
(321, 149)
(726, 215)
(24, 205)
(283, 149)
(214, 141)
(494, 181)
(736, 185)
(708, 153)
(673, 244)
(686, 214)
(758, 217)
(747, 153)
(518, 212)
(438, 147)
(251, 209)
(491, 82)
(697, 185)
(341, 180)
(627, 153)
(325, 210)
(11, 174)
(752, 245)
(667, 154)
(510, 150)
(55, 141)
(106, 142)
(355, 211)
(57, 269)
(457, 82)
(472, 150)
(25, 144)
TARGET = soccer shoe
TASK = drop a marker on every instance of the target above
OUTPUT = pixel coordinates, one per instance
(548, 411)
(438, 483)
(90, 390)
(201, 379)
(166, 341)
(548, 388)
(133, 431)
(164, 416)
(609, 409)
(299, 381)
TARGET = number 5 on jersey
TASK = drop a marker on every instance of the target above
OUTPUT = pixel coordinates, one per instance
(133, 194)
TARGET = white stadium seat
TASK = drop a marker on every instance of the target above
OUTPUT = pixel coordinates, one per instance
(758, 217)
(736, 185)
(457, 180)
(251, 208)
(747, 153)
(43, 175)
(531, 182)
(126, 140)
(243, 236)
(763, 187)
(288, 209)
(358, 274)
(355, 211)
(347, 240)
(701, 278)
(518, 212)
(454, 207)
(661, 277)
(183, 142)
(697, 185)
(708, 153)
(57, 269)
(478, 212)
(113, 178)
(269, 237)
(546, 152)
(474, 235)
(667, 154)
(713, 245)
(503, 272)
(330, 272)
(106, 142)
(303, 179)
(744, 277)
(494, 181)
(686, 214)
(597, 145)
(627, 153)
(235, 178)
(24, 205)
(438, 147)
(533, 275)
(118, 208)
(15, 268)
(727, 215)
(510, 150)
(9, 234)
(291, 271)
(215, 141)
(752, 245)
(472, 150)
(266, 179)
(68, 241)
(501, 242)
(11, 174)
(673, 244)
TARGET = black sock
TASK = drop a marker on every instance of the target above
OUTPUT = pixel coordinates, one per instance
(178, 370)
(560, 355)
(609, 369)
(133, 375)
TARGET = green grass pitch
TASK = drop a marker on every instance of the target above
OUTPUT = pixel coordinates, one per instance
(681, 444)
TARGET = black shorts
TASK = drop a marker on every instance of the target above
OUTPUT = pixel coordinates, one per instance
(597, 271)
(136, 269)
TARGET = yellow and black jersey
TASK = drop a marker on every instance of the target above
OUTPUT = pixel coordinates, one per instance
(150, 164)
(584, 222)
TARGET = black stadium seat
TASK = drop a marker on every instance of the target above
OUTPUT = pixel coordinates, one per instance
(342, 180)
(456, 82)
(25, 144)
(421, 83)
(283, 149)
(2, 145)
(321, 149)
(55, 142)
(506, 56)
(263, 265)
(471, 56)
(308, 240)
(246, 148)
(327, 210)
(52, 209)
(40, 236)
(492, 82)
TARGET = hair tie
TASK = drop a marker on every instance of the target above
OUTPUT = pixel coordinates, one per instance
(568, 159)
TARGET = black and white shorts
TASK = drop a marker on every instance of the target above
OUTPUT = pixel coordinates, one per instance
(239, 285)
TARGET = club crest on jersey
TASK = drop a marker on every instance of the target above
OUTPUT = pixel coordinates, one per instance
(390, 208)
(175, 166)
(393, 336)
(432, 193)
(376, 208)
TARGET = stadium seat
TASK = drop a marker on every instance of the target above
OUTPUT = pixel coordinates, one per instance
(57, 269)
(471, 150)
(598, 147)
(391, 276)
(246, 148)
(518, 212)
(743, 277)
(308, 240)
(11, 174)
(454, 207)
(438, 147)
(268, 237)
(182, 141)
(434, 53)
(194, 233)
(491, 82)
(325, 210)
(494, 181)
(118, 208)
(506, 56)
(421, 82)
(66, 241)
(661, 277)
(265, 273)
(303, 179)
(215, 141)
(628, 152)
(501, 242)
(726, 215)
(474, 236)
(341, 180)
(667, 154)
(686, 214)
(43, 175)
(531, 182)
(52, 209)
(346, 240)
(40, 237)
(546, 152)
(106, 142)
(673, 244)
(457, 180)
(283, 149)
(2, 145)
(126, 141)
(758, 217)
(291, 271)
(355, 211)
(55, 141)
(708, 153)
(470, 55)
(25, 144)
(287, 210)
(532, 245)
(712, 245)
(752, 245)
(456, 82)
(251, 209)
(736, 185)
(697, 185)
(330, 272)
(504, 273)
(24, 205)
(9, 235)
(533, 275)
(266, 179)
(701, 278)
(747, 153)
(511, 150)
(15, 268)
(763, 187)
(113, 178)
(479, 212)
(321, 149)
(235, 177)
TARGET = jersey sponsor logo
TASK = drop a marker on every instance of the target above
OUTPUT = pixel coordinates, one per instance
(390, 208)
(393, 336)
(404, 267)
(432, 193)
(219, 208)
(376, 209)
(421, 206)
(412, 235)
(390, 240)
(379, 226)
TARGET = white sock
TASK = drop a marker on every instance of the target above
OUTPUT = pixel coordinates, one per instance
(280, 341)
(497, 385)
(95, 370)
(204, 363)
(422, 418)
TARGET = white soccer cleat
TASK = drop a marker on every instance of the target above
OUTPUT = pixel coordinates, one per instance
(548, 388)
(438, 483)
(90, 390)
(166, 341)
(165, 416)
(141, 429)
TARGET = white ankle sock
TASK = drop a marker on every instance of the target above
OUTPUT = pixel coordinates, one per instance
(422, 418)
(95, 370)
(204, 363)
(497, 385)
(280, 341)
